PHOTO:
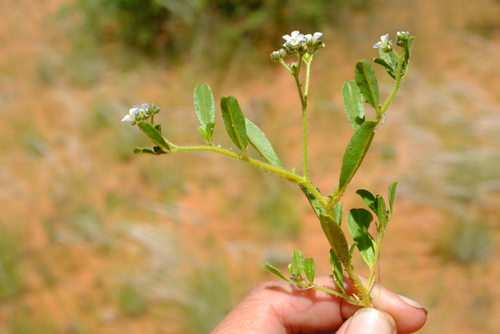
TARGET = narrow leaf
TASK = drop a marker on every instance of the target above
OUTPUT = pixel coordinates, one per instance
(390, 58)
(356, 151)
(352, 248)
(309, 269)
(408, 52)
(392, 195)
(368, 198)
(275, 271)
(145, 150)
(353, 104)
(158, 127)
(387, 67)
(234, 121)
(260, 142)
(367, 82)
(358, 222)
(153, 134)
(338, 212)
(382, 216)
(338, 275)
(297, 260)
(336, 238)
(204, 106)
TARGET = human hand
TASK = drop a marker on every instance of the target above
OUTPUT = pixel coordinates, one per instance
(281, 308)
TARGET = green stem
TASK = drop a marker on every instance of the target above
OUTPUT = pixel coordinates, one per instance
(363, 291)
(308, 74)
(349, 299)
(371, 278)
(395, 88)
(303, 102)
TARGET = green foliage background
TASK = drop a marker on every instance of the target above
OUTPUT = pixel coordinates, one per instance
(198, 28)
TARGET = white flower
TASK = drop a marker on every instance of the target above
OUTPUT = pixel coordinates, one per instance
(384, 42)
(131, 115)
(295, 39)
(136, 114)
(128, 118)
(313, 38)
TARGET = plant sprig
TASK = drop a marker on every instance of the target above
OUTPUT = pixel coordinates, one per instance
(329, 209)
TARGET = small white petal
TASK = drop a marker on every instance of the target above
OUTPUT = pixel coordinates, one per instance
(295, 33)
(378, 45)
(127, 118)
(384, 38)
(317, 35)
(133, 111)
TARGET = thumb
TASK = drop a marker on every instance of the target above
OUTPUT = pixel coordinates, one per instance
(369, 321)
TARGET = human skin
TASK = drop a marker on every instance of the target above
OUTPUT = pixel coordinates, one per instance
(282, 308)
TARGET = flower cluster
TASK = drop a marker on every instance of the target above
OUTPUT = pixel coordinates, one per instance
(386, 45)
(299, 44)
(402, 38)
(140, 113)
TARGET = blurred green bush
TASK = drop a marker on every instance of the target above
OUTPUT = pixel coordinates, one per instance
(200, 28)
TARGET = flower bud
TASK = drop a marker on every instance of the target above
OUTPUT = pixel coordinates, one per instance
(152, 109)
(319, 45)
(283, 53)
(402, 38)
(140, 113)
(276, 56)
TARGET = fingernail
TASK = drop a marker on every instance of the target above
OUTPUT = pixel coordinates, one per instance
(411, 302)
(370, 321)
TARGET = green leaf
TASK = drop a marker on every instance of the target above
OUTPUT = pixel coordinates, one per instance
(353, 104)
(336, 238)
(408, 52)
(358, 222)
(153, 134)
(260, 142)
(158, 127)
(204, 106)
(338, 212)
(309, 269)
(392, 194)
(145, 150)
(297, 261)
(368, 198)
(356, 151)
(234, 121)
(387, 67)
(352, 248)
(382, 215)
(275, 271)
(367, 82)
(338, 275)
(389, 57)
